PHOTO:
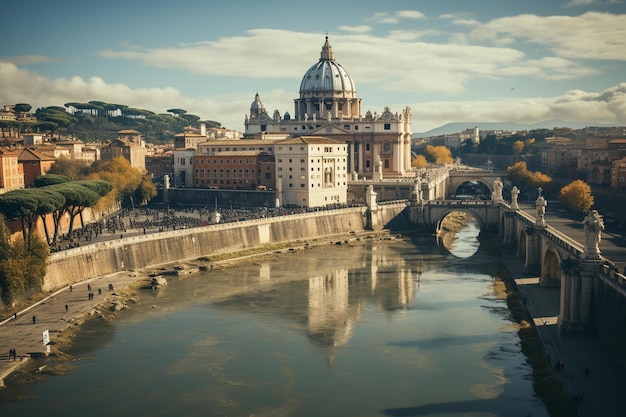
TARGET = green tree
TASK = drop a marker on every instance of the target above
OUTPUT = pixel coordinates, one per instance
(50, 179)
(29, 205)
(577, 196)
(22, 265)
(22, 108)
(77, 199)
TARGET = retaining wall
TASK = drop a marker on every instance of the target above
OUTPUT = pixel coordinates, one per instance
(75, 265)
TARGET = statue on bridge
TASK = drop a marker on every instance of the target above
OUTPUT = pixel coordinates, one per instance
(594, 226)
(514, 197)
(540, 206)
(416, 194)
(496, 195)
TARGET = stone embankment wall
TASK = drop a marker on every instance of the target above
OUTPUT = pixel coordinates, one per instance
(75, 265)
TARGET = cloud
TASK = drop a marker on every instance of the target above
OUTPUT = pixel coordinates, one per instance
(23, 86)
(424, 66)
(395, 17)
(589, 36)
(355, 29)
(606, 107)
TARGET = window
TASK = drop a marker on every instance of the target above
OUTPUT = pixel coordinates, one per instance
(387, 126)
(367, 146)
(386, 147)
(386, 163)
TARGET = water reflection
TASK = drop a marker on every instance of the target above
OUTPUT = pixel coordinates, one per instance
(464, 243)
(384, 328)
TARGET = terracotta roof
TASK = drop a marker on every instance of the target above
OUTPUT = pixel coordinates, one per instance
(32, 155)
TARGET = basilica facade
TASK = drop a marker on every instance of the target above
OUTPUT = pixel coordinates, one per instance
(379, 145)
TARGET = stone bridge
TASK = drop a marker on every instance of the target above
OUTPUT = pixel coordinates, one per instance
(586, 279)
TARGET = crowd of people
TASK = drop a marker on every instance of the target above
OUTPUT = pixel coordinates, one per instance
(151, 220)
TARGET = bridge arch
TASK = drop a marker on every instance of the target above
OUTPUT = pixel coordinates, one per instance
(441, 216)
(551, 272)
(454, 187)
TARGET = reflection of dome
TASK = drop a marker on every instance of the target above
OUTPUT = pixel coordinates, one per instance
(327, 75)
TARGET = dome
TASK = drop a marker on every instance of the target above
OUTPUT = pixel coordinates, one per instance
(257, 105)
(327, 76)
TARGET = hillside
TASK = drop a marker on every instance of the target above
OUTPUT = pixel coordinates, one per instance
(457, 127)
(99, 121)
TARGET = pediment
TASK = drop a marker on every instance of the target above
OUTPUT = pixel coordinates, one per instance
(329, 129)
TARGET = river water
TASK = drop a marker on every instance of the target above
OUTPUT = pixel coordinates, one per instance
(392, 327)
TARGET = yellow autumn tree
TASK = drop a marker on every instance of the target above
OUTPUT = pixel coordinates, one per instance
(520, 175)
(518, 146)
(439, 155)
(577, 196)
(124, 177)
(419, 162)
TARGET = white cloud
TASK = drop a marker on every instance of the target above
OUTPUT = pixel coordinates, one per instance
(606, 107)
(22, 86)
(355, 29)
(410, 14)
(589, 36)
(403, 62)
(395, 17)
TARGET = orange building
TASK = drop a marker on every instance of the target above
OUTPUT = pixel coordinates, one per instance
(11, 175)
(238, 170)
(34, 164)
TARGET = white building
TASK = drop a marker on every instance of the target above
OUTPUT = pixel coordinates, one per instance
(311, 171)
(183, 168)
(328, 106)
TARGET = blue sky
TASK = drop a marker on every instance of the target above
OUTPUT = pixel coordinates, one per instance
(449, 60)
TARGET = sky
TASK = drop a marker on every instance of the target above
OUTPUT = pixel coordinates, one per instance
(448, 60)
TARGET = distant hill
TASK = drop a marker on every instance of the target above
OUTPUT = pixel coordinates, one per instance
(457, 127)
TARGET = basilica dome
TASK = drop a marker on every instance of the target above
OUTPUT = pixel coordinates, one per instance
(327, 76)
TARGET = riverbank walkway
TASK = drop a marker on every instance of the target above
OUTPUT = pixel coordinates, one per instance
(590, 372)
(24, 333)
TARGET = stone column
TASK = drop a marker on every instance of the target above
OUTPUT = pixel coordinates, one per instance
(533, 250)
(577, 296)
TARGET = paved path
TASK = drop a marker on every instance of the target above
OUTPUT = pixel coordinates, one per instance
(26, 336)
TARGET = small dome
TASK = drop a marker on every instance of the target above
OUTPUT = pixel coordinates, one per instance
(257, 106)
(327, 75)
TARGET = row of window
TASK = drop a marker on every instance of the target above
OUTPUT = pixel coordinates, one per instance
(302, 185)
(222, 161)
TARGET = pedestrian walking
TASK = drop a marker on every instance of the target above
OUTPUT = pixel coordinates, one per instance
(71, 288)
(34, 319)
(66, 308)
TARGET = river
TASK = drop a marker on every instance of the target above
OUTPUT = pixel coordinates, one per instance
(389, 327)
